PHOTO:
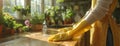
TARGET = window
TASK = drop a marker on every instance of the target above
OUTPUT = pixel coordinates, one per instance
(38, 6)
(8, 5)
(19, 3)
(48, 3)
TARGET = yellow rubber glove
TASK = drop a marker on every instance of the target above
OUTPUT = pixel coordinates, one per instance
(60, 37)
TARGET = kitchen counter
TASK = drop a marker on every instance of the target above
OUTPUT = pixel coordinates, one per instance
(41, 37)
(35, 38)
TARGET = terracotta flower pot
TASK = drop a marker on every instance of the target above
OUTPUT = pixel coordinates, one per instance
(68, 21)
(8, 31)
(1, 28)
(12, 31)
(37, 27)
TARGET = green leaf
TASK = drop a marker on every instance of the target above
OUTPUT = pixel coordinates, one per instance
(59, 1)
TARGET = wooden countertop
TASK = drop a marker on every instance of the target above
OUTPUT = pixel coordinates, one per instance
(40, 36)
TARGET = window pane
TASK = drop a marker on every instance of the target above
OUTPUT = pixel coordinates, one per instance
(35, 7)
(20, 3)
(48, 3)
(8, 6)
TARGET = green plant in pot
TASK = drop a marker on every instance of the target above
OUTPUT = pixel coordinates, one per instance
(20, 27)
(25, 29)
(8, 22)
(17, 27)
(23, 11)
(37, 21)
(67, 16)
(1, 23)
(11, 24)
(1, 19)
(59, 16)
(53, 16)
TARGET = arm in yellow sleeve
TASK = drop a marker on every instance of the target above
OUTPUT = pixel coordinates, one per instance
(98, 10)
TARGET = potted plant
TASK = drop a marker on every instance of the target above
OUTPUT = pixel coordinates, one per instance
(21, 11)
(67, 16)
(58, 16)
(25, 29)
(21, 28)
(37, 21)
(8, 23)
(1, 23)
(17, 27)
(53, 16)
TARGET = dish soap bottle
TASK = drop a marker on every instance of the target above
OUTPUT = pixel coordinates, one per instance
(44, 30)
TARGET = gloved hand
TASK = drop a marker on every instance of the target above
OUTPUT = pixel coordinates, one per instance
(60, 37)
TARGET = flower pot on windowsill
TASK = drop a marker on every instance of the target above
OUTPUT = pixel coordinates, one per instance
(18, 30)
(12, 31)
(37, 27)
(68, 21)
(8, 31)
(1, 29)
